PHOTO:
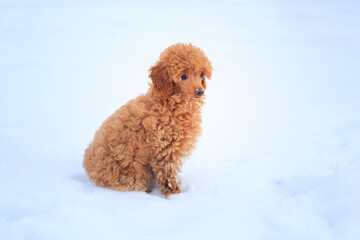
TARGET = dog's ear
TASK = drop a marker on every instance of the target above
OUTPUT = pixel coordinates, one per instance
(161, 79)
(204, 84)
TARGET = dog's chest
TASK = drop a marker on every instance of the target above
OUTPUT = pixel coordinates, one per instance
(173, 128)
(182, 127)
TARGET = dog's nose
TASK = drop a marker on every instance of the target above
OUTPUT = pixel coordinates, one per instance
(199, 92)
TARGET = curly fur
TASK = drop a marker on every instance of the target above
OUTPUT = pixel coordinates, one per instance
(148, 138)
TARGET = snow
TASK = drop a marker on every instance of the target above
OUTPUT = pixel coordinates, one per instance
(280, 153)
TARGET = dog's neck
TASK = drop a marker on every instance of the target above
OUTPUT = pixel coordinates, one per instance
(178, 103)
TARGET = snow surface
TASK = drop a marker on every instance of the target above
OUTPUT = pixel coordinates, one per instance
(280, 153)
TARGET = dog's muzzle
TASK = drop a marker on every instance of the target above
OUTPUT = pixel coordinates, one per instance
(199, 92)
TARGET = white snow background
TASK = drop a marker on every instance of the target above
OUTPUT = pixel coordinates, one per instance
(279, 157)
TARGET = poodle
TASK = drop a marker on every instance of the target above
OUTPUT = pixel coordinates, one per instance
(147, 139)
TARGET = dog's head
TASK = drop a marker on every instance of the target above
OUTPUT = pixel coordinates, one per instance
(182, 69)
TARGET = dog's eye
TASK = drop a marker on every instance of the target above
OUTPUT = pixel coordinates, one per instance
(184, 77)
(202, 75)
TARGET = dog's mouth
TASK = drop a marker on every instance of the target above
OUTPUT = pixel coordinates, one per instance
(196, 96)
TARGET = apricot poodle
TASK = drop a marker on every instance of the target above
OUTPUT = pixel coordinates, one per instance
(148, 138)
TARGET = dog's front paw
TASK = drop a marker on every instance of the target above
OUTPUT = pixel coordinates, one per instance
(170, 189)
(167, 191)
